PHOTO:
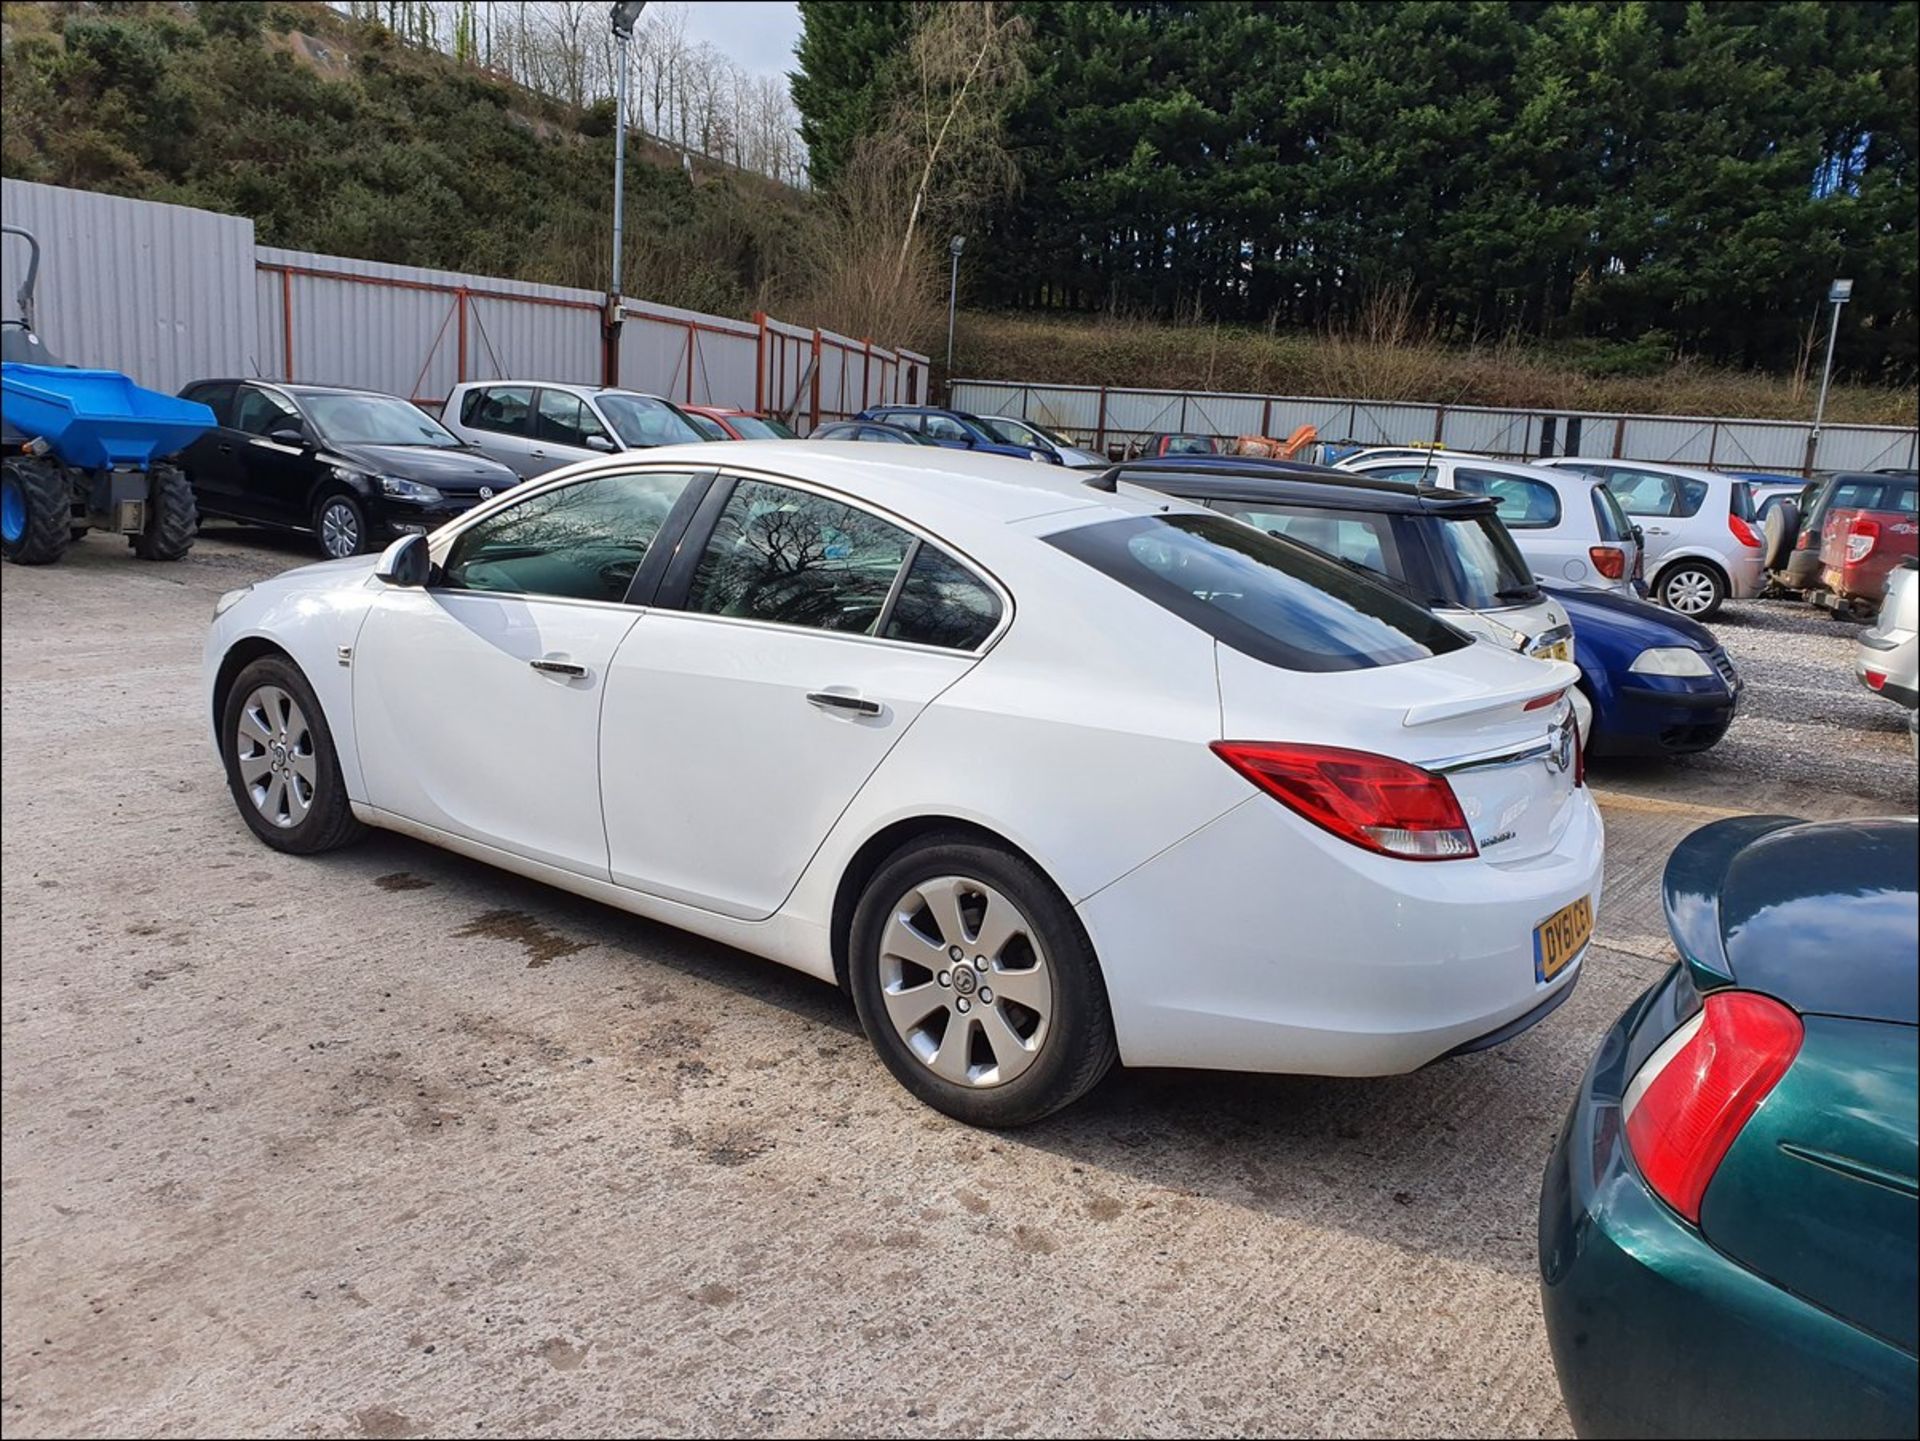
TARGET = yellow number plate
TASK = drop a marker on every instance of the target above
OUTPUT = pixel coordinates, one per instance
(1560, 937)
(1559, 650)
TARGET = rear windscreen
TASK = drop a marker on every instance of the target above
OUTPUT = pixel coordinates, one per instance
(1614, 524)
(1266, 597)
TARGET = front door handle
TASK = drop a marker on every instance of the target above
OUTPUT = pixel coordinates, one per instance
(849, 704)
(559, 667)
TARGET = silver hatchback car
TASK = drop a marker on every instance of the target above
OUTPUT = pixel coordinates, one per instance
(538, 426)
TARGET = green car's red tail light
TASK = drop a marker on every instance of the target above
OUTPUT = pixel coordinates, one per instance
(1688, 1102)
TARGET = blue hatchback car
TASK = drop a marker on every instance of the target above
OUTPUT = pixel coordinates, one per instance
(954, 429)
(1659, 683)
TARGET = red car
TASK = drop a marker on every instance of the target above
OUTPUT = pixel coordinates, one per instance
(1166, 443)
(1869, 529)
(719, 422)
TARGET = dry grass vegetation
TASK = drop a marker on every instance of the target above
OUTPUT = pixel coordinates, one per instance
(1381, 359)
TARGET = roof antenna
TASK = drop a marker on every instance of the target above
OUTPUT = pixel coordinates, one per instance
(1107, 480)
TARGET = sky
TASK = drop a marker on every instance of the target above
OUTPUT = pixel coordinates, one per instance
(757, 35)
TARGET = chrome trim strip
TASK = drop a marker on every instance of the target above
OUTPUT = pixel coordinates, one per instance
(1493, 759)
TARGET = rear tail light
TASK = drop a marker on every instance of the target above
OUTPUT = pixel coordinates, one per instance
(1743, 532)
(1609, 560)
(1375, 802)
(1688, 1102)
(1861, 539)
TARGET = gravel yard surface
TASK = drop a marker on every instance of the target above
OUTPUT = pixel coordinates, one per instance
(387, 1143)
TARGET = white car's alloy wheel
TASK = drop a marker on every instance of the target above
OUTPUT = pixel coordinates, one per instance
(274, 747)
(965, 981)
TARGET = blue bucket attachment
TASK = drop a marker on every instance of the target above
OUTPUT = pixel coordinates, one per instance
(98, 418)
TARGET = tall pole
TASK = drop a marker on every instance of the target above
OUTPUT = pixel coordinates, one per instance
(954, 247)
(1839, 294)
(619, 158)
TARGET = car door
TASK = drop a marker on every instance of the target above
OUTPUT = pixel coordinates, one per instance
(781, 665)
(499, 420)
(274, 477)
(209, 462)
(477, 699)
(562, 429)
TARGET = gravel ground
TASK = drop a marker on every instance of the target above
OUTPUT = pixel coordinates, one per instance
(387, 1143)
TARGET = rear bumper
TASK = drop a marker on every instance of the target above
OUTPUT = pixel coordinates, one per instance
(1746, 573)
(1261, 943)
(1655, 1333)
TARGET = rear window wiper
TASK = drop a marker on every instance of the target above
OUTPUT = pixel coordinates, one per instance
(1517, 592)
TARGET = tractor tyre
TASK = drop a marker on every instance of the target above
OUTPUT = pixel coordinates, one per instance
(172, 517)
(36, 510)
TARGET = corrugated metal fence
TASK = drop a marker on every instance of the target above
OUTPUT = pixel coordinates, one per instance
(170, 294)
(1109, 415)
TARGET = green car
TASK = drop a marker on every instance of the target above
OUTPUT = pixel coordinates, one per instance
(1728, 1223)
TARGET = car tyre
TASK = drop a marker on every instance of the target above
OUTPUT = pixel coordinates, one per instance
(1782, 529)
(1693, 588)
(36, 511)
(281, 763)
(172, 519)
(941, 923)
(340, 525)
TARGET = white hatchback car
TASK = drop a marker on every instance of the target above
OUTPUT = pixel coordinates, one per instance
(1703, 547)
(1570, 530)
(1043, 775)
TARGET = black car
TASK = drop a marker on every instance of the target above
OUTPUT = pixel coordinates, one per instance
(355, 467)
(1447, 548)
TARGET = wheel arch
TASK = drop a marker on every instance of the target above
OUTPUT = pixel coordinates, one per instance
(1697, 556)
(874, 852)
(241, 654)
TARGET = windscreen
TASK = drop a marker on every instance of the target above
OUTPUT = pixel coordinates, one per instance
(643, 421)
(350, 418)
(1269, 598)
(1483, 566)
(752, 427)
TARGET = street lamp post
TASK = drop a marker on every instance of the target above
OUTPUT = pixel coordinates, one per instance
(954, 247)
(1838, 295)
(624, 16)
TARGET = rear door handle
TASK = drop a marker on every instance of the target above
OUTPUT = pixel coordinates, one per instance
(559, 667)
(848, 704)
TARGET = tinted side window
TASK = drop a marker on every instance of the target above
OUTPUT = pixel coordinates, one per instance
(943, 603)
(942, 428)
(1267, 598)
(216, 396)
(790, 556)
(582, 541)
(259, 411)
(502, 408)
(1524, 504)
(562, 419)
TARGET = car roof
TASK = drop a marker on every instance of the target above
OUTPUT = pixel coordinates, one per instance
(1325, 489)
(1656, 467)
(292, 387)
(959, 494)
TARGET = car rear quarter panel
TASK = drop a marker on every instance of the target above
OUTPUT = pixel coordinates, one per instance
(1819, 1192)
(1866, 579)
(1655, 1332)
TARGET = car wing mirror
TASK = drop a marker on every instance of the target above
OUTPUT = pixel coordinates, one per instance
(405, 562)
(288, 435)
(600, 443)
